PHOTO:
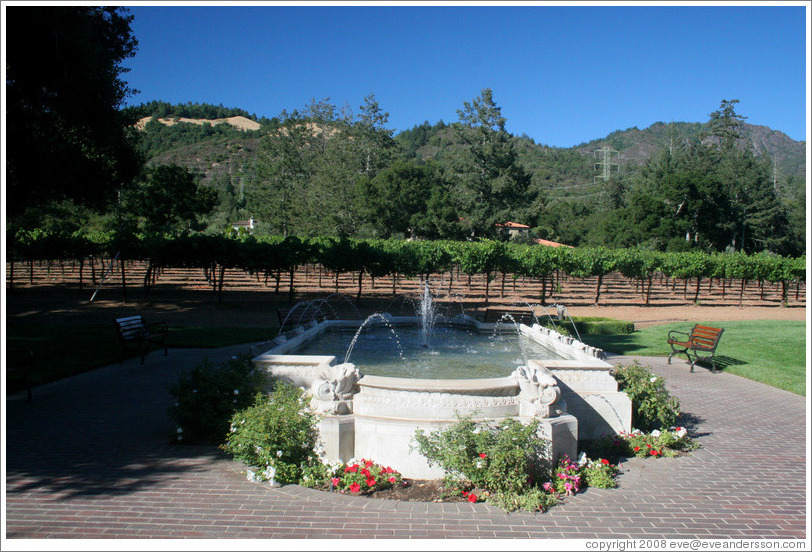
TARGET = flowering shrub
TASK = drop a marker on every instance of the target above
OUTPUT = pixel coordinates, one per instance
(657, 443)
(356, 476)
(277, 435)
(567, 477)
(498, 463)
(600, 473)
(653, 407)
(208, 395)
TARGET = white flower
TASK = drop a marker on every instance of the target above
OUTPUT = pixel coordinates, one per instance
(236, 391)
(681, 432)
(279, 454)
(269, 473)
(655, 433)
(479, 464)
(477, 430)
(582, 460)
(653, 379)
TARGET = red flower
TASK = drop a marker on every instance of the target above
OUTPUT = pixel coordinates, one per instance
(604, 461)
(653, 452)
(482, 455)
(464, 494)
(368, 463)
(370, 482)
(355, 487)
(365, 473)
(471, 497)
(636, 449)
(388, 470)
(392, 480)
(353, 468)
(335, 481)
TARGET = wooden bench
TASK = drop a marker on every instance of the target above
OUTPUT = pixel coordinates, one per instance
(19, 363)
(520, 316)
(134, 334)
(702, 342)
(300, 315)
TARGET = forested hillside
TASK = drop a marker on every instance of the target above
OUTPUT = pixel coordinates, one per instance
(323, 170)
(671, 186)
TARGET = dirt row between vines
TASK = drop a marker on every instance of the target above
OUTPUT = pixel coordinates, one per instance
(186, 297)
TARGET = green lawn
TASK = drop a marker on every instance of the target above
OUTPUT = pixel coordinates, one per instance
(63, 350)
(768, 351)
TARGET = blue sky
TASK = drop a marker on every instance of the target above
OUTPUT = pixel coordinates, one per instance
(563, 75)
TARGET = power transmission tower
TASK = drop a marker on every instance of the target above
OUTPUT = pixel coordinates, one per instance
(606, 165)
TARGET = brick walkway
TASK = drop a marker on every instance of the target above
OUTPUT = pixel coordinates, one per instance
(91, 457)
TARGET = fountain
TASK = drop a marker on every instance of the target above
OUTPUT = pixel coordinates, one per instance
(426, 371)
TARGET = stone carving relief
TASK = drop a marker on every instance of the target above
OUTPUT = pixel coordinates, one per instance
(539, 393)
(333, 390)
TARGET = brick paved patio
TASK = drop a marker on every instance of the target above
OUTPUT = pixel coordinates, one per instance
(91, 457)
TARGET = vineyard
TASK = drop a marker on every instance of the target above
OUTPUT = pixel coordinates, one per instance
(475, 274)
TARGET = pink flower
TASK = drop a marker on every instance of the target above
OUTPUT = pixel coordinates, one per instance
(568, 487)
(355, 487)
(472, 497)
(547, 487)
(335, 481)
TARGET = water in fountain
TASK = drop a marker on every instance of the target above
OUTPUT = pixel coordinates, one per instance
(301, 307)
(369, 319)
(507, 317)
(529, 306)
(427, 316)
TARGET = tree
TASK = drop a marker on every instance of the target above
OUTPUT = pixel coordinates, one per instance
(725, 123)
(67, 135)
(492, 185)
(283, 172)
(396, 200)
(169, 199)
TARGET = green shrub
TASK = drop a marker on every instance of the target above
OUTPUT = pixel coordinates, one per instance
(504, 462)
(589, 325)
(653, 407)
(208, 395)
(277, 435)
(603, 326)
(600, 473)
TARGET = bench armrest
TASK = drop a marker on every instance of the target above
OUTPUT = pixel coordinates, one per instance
(673, 333)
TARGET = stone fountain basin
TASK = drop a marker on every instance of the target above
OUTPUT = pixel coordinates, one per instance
(380, 420)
